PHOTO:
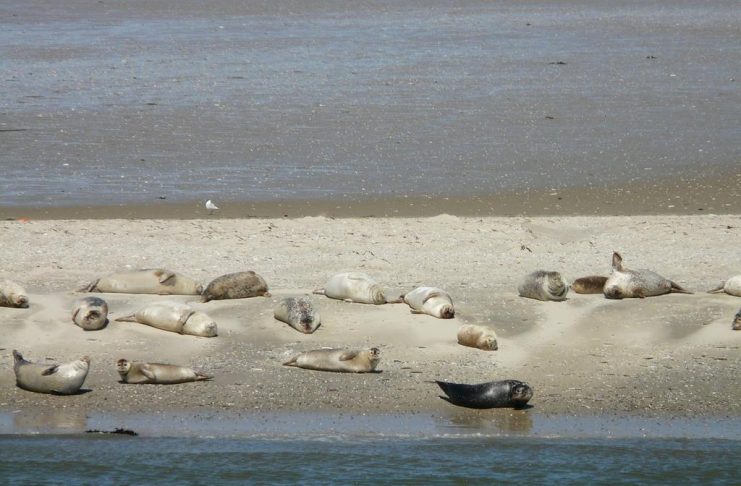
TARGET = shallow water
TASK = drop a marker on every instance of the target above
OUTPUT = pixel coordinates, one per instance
(124, 460)
(128, 102)
(290, 447)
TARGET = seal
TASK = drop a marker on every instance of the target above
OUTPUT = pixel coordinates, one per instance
(57, 379)
(240, 285)
(593, 284)
(544, 285)
(174, 317)
(623, 283)
(146, 281)
(299, 313)
(354, 287)
(157, 373)
(478, 337)
(732, 286)
(736, 326)
(430, 300)
(494, 394)
(345, 361)
(90, 313)
(12, 295)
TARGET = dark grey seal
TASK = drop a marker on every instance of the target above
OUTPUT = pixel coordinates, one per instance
(494, 394)
(238, 285)
(737, 321)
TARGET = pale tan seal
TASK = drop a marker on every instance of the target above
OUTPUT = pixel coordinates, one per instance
(593, 284)
(544, 285)
(240, 285)
(90, 313)
(299, 313)
(342, 360)
(623, 283)
(157, 373)
(58, 379)
(12, 294)
(732, 286)
(430, 300)
(353, 287)
(174, 317)
(146, 281)
(480, 337)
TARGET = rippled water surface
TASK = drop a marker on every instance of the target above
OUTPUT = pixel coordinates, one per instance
(129, 102)
(123, 460)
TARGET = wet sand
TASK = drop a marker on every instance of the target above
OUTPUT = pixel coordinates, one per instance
(121, 103)
(667, 356)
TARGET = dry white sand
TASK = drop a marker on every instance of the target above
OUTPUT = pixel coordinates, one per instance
(673, 355)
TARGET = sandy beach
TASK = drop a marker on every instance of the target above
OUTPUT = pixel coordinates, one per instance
(667, 356)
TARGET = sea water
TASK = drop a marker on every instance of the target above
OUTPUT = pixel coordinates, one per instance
(133, 102)
(313, 447)
(363, 460)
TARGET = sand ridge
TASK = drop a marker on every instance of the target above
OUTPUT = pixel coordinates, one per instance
(672, 355)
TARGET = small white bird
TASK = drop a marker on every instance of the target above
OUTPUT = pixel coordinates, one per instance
(211, 207)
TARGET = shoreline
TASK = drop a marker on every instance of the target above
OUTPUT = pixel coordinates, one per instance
(716, 195)
(375, 426)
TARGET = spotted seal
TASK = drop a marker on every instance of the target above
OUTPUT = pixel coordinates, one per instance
(732, 286)
(239, 285)
(623, 283)
(146, 281)
(494, 394)
(174, 317)
(57, 379)
(430, 300)
(593, 284)
(157, 373)
(346, 361)
(480, 337)
(299, 313)
(90, 313)
(12, 295)
(544, 285)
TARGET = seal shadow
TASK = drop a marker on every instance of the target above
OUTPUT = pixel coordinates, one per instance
(81, 391)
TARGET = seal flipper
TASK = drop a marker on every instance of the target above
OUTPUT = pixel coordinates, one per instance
(18, 357)
(203, 377)
(319, 292)
(677, 289)
(147, 372)
(617, 261)
(292, 362)
(348, 355)
(50, 370)
(432, 295)
(91, 287)
(129, 318)
(167, 277)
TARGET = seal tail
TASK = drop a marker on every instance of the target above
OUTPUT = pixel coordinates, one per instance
(292, 362)
(129, 318)
(718, 288)
(18, 357)
(677, 289)
(319, 292)
(203, 376)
